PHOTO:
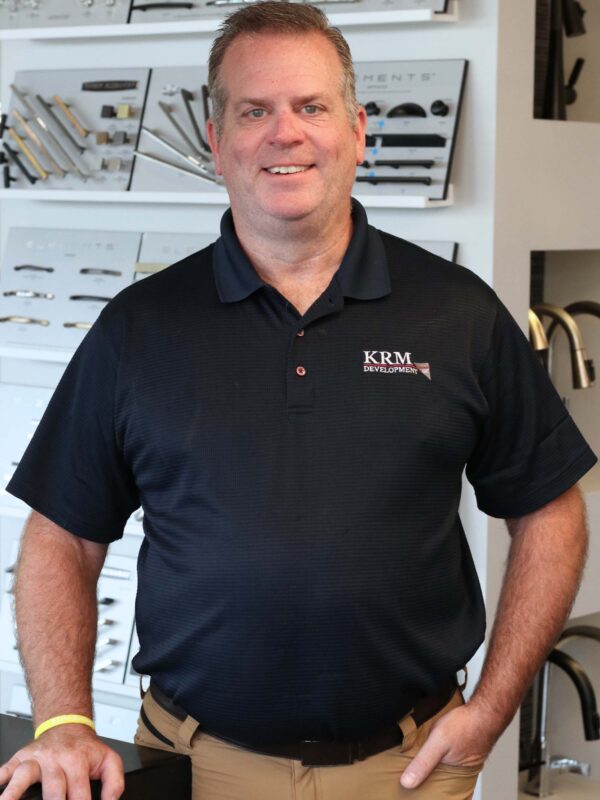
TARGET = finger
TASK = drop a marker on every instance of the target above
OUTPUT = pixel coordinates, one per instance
(25, 775)
(112, 777)
(77, 782)
(422, 765)
(7, 769)
(54, 783)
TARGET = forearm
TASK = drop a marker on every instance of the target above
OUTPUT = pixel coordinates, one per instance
(544, 569)
(56, 614)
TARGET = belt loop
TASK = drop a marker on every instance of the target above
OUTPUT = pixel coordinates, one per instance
(463, 685)
(408, 726)
(186, 731)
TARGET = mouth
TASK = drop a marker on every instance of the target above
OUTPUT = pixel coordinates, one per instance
(288, 169)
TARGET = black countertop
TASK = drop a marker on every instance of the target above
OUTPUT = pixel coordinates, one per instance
(149, 774)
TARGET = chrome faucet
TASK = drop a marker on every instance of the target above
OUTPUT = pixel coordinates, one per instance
(581, 365)
(540, 773)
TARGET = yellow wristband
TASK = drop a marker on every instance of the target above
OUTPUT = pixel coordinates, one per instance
(65, 719)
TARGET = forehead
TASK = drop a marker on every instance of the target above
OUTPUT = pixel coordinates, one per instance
(270, 61)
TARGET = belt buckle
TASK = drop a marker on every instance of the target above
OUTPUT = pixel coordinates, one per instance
(345, 753)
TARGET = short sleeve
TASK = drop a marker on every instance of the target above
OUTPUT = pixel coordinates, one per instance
(529, 450)
(73, 471)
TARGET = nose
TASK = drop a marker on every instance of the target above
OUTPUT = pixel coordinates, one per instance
(286, 129)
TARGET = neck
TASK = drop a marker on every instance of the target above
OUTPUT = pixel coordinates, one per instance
(297, 255)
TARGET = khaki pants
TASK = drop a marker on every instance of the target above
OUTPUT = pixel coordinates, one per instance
(222, 771)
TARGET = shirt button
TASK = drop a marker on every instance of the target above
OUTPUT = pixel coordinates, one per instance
(300, 333)
(300, 371)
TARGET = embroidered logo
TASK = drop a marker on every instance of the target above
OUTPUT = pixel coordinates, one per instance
(394, 362)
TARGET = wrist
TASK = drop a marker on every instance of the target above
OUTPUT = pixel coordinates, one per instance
(63, 719)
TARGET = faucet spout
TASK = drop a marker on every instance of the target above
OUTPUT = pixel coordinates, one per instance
(587, 697)
(579, 359)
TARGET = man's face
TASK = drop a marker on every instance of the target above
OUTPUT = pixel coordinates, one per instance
(285, 109)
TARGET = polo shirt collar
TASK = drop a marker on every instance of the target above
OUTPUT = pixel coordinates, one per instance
(363, 273)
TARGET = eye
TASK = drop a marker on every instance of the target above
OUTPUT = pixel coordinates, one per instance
(311, 109)
(256, 113)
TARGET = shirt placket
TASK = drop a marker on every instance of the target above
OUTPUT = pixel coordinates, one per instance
(301, 365)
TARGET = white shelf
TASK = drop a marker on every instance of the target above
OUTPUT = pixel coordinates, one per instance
(36, 354)
(192, 27)
(200, 198)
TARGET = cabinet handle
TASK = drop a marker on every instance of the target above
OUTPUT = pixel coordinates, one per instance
(83, 326)
(90, 297)
(27, 293)
(97, 271)
(106, 666)
(106, 642)
(25, 320)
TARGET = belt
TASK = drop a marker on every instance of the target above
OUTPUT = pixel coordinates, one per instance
(317, 753)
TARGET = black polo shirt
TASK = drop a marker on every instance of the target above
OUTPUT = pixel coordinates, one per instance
(304, 572)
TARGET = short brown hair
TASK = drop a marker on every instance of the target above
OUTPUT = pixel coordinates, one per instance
(278, 16)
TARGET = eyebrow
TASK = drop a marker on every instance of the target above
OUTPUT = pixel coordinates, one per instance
(258, 101)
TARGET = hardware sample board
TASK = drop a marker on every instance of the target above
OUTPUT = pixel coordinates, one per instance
(73, 129)
(173, 154)
(159, 250)
(54, 283)
(413, 109)
(142, 11)
(55, 13)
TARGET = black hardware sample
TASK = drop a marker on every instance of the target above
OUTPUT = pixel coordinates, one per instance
(439, 108)
(405, 140)
(407, 110)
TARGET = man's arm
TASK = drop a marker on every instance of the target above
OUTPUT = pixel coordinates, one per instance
(545, 564)
(56, 612)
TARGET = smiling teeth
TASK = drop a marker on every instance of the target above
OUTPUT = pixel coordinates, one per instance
(285, 170)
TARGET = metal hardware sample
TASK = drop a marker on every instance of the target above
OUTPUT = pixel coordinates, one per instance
(39, 142)
(27, 293)
(98, 271)
(32, 268)
(187, 98)
(28, 154)
(164, 163)
(16, 160)
(171, 117)
(407, 110)
(374, 179)
(106, 666)
(396, 163)
(405, 140)
(82, 326)
(47, 108)
(188, 157)
(108, 86)
(43, 125)
(90, 298)
(25, 320)
(149, 6)
(70, 116)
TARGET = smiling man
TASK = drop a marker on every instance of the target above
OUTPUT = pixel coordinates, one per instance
(294, 408)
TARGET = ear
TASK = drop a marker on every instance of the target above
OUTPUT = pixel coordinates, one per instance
(361, 127)
(211, 135)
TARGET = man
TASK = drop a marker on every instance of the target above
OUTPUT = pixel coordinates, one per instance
(294, 408)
